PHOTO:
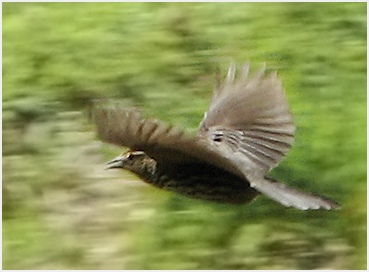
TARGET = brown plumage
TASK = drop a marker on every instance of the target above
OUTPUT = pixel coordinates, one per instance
(246, 132)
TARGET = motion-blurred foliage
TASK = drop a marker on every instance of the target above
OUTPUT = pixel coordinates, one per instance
(62, 211)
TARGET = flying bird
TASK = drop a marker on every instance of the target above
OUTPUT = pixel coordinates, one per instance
(246, 132)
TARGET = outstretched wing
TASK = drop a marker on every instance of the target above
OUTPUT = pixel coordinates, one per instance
(250, 123)
(250, 119)
(126, 127)
(166, 144)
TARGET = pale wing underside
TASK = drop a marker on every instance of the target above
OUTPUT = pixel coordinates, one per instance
(250, 116)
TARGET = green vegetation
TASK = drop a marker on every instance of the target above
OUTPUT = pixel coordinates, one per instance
(61, 210)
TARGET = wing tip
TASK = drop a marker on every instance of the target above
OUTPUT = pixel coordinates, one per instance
(231, 72)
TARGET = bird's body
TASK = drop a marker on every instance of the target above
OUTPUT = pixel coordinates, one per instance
(195, 180)
(246, 131)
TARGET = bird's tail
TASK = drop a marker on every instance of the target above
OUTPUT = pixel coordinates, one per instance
(290, 197)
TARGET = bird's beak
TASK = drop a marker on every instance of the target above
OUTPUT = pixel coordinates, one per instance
(118, 162)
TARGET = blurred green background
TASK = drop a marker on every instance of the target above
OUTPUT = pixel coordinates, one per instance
(62, 210)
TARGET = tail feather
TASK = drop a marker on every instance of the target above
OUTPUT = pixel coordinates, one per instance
(291, 197)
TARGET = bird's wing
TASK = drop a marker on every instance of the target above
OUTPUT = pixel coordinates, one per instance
(166, 144)
(249, 120)
(250, 123)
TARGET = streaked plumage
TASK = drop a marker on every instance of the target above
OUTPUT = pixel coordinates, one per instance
(246, 132)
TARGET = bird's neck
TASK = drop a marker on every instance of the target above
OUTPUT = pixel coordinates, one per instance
(151, 173)
(147, 170)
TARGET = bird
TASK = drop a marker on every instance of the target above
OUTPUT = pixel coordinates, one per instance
(246, 131)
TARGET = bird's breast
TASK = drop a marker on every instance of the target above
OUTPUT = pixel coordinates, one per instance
(202, 181)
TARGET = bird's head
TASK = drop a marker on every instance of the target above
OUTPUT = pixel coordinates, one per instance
(131, 160)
